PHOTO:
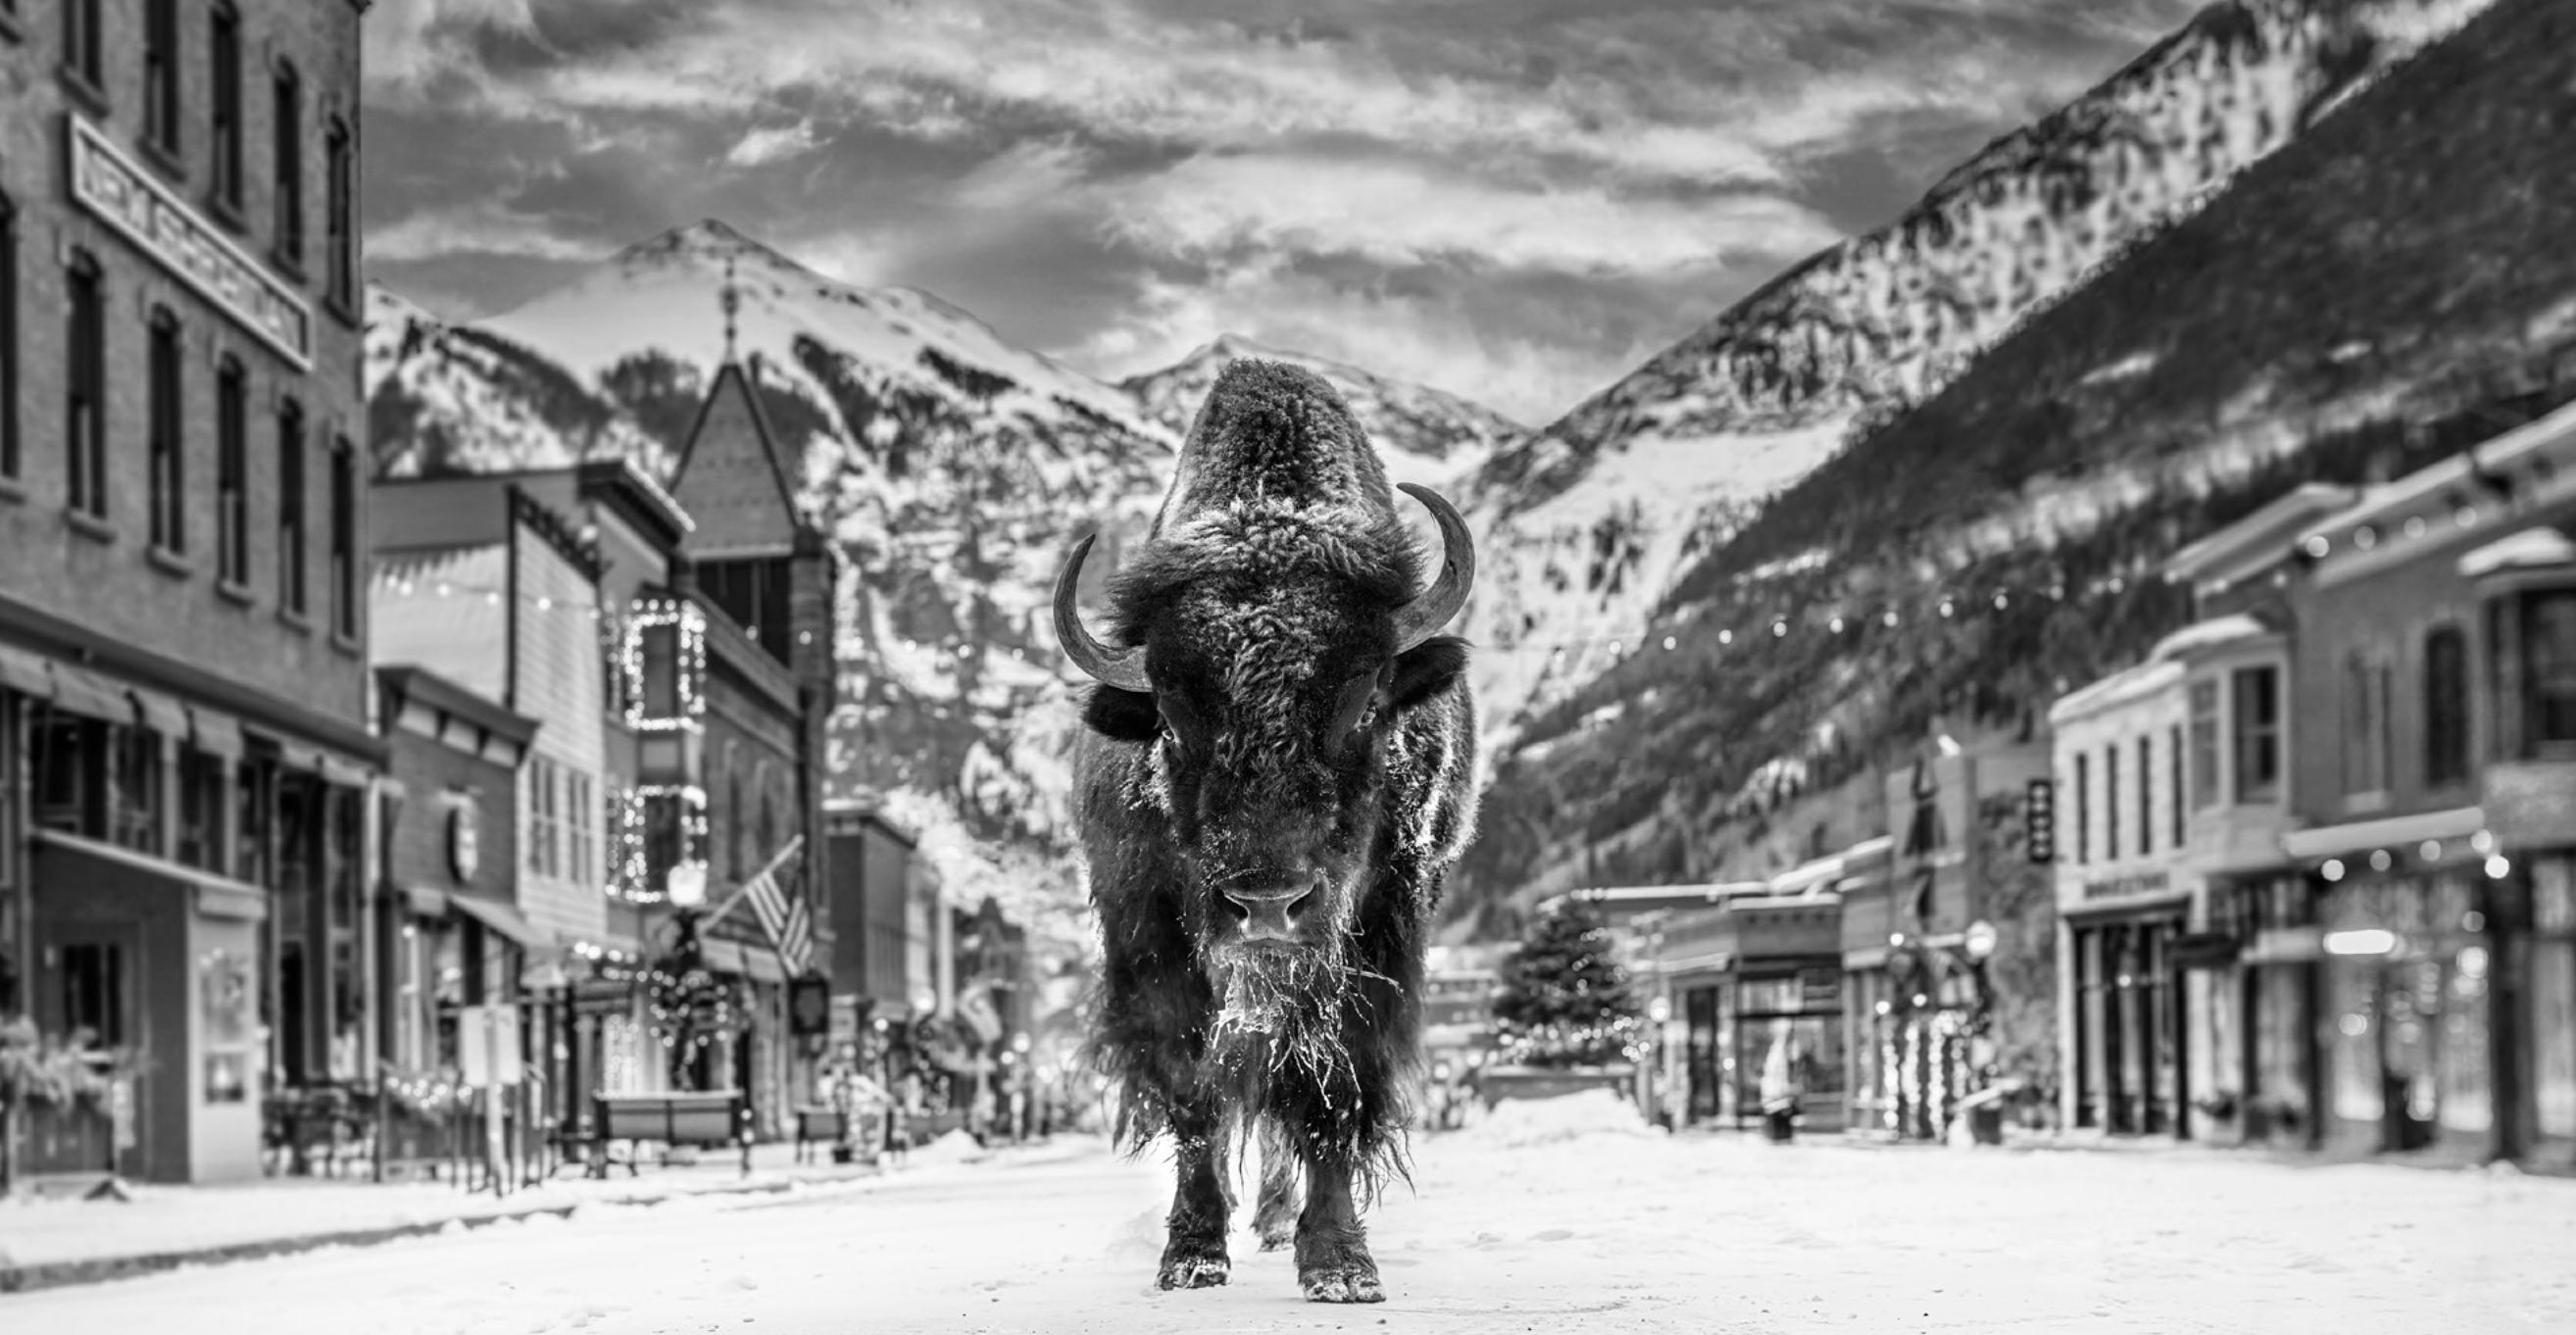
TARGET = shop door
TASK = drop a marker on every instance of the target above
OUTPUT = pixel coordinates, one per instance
(1699, 1007)
(2410, 1012)
(90, 994)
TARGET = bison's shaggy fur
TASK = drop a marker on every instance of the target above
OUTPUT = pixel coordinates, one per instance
(1288, 740)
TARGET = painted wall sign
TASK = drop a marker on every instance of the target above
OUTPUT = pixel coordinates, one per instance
(127, 198)
(2122, 887)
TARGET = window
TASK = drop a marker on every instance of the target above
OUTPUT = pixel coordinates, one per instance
(339, 213)
(665, 843)
(737, 835)
(344, 540)
(581, 816)
(2146, 796)
(2181, 806)
(2083, 814)
(661, 649)
(2549, 668)
(168, 492)
(83, 41)
(232, 472)
(287, 151)
(135, 817)
(2204, 744)
(540, 787)
(2258, 734)
(223, 52)
(290, 507)
(8, 338)
(2365, 725)
(201, 809)
(2111, 803)
(86, 345)
(161, 74)
(2446, 707)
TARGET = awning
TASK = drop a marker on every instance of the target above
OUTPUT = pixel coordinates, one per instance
(216, 896)
(2393, 832)
(160, 713)
(216, 734)
(24, 672)
(291, 755)
(344, 774)
(81, 691)
(503, 918)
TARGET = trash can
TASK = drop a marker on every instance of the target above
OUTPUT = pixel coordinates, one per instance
(1780, 1125)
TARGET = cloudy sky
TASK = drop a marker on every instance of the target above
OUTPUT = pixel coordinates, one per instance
(1516, 200)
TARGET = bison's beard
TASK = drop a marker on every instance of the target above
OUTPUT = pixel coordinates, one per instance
(1280, 1010)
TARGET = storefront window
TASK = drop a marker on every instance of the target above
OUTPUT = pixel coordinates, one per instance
(2280, 1051)
(2467, 1102)
(2353, 1046)
(2552, 1029)
(2549, 667)
(228, 1006)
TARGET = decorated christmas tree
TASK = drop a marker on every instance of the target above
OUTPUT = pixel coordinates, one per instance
(1565, 998)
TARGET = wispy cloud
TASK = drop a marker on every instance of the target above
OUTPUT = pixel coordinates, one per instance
(1353, 172)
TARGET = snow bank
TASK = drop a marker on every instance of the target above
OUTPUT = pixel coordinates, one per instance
(1522, 1123)
(957, 1146)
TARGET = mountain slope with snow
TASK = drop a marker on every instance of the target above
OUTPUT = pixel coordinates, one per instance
(446, 398)
(2383, 293)
(1587, 523)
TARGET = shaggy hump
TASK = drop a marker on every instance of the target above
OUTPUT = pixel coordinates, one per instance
(1278, 434)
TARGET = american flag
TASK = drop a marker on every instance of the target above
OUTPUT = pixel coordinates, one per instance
(789, 924)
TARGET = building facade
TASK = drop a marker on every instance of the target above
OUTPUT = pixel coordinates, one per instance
(454, 935)
(1756, 974)
(486, 591)
(186, 793)
(2126, 898)
(2437, 648)
(2250, 962)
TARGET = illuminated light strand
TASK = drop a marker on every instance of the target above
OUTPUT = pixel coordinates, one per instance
(691, 670)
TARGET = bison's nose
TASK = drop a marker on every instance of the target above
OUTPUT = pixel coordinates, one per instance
(1267, 914)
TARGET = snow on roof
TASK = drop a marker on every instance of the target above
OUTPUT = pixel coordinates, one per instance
(2541, 546)
(2555, 433)
(2208, 634)
(2252, 535)
(2120, 688)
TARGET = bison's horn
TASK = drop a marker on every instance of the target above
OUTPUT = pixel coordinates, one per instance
(1424, 616)
(1122, 668)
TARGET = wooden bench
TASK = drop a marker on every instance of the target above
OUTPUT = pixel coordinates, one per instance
(712, 1119)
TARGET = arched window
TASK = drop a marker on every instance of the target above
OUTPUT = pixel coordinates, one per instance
(85, 398)
(287, 153)
(167, 491)
(232, 472)
(768, 814)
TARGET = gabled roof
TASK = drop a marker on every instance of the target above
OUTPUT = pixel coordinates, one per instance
(716, 529)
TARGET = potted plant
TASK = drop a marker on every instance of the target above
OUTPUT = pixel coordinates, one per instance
(39, 1070)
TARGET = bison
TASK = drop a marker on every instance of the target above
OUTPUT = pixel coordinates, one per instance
(1273, 779)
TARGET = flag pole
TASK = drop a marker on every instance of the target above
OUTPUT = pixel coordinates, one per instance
(743, 889)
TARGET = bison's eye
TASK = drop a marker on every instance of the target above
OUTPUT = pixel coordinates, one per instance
(1180, 722)
(1356, 708)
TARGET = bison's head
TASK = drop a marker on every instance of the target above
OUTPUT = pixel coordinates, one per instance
(1273, 638)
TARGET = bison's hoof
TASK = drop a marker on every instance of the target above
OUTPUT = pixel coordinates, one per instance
(1193, 1272)
(1276, 1234)
(1342, 1284)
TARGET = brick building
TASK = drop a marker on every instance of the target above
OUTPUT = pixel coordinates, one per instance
(452, 858)
(185, 759)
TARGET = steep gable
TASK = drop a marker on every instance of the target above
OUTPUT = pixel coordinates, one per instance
(733, 479)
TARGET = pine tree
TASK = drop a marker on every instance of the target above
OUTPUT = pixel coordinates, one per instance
(1564, 999)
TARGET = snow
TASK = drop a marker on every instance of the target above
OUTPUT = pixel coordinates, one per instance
(1519, 1124)
(1608, 1231)
(2532, 547)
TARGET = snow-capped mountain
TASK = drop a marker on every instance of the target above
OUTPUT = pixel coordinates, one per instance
(456, 399)
(1425, 435)
(1586, 524)
(954, 469)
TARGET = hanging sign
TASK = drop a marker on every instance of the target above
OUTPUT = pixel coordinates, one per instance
(2039, 812)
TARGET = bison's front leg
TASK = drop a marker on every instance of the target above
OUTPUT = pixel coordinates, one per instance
(1194, 1249)
(1333, 1261)
(1275, 1221)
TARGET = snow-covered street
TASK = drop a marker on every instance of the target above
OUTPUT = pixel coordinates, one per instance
(1509, 1228)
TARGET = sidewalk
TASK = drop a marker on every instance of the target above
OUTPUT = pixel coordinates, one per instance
(49, 1243)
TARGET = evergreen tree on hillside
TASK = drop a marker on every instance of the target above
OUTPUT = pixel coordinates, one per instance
(1564, 999)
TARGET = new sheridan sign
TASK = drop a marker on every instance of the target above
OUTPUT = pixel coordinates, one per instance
(109, 184)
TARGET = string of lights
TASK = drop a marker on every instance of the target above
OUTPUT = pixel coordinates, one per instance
(467, 589)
